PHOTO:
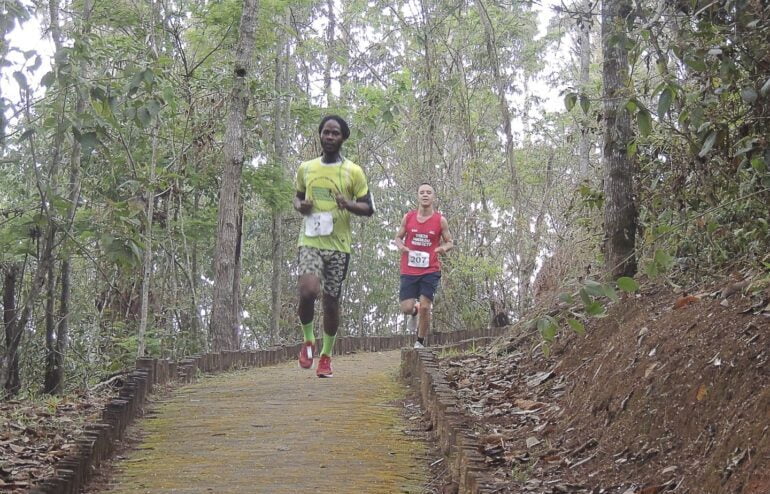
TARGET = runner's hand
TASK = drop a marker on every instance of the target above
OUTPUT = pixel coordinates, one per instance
(342, 202)
(305, 206)
(440, 250)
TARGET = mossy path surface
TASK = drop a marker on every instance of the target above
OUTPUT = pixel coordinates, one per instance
(280, 429)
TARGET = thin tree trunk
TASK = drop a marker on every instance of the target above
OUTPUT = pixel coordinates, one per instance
(52, 368)
(147, 264)
(224, 324)
(584, 47)
(529, 256)
(196, 335)
(236, 305)
(431, 94)
(330, 50)
(277, 215)
(197, 325)
(619, 208)
(10, 369)
(62, 325)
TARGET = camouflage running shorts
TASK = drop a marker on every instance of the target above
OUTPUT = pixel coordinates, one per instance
(330, 266)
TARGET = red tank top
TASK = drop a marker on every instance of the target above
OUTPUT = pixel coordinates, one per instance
(421, 239)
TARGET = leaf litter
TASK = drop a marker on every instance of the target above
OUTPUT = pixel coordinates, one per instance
(36, 434)
(680, 405)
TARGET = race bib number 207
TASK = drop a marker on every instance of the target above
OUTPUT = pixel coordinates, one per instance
(418, 259)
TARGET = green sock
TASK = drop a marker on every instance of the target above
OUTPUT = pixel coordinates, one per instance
(307, 329)
(328, 344)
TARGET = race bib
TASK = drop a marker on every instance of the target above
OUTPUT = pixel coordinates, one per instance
(418, 259)
(319, 224)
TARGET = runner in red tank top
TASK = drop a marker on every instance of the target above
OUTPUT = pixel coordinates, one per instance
(422, 237)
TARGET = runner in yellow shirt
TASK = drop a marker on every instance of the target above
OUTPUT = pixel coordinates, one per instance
(329, 190)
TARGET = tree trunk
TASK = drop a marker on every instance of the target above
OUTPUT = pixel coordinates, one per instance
(197, 327)
(584, 47)
(235, 307)
(528, 257)
(52, 367)
(224, 324)
(431, 92)
(277, 215)
(330, 51)
(619, 208)
(62, 325)
(147, 262)
(10, 369)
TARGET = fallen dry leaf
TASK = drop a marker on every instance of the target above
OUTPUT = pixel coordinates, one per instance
(527, 404)
(702, 392)
(683, 302)
(492, 439)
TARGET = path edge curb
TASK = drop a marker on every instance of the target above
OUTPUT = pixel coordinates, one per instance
(461, 449)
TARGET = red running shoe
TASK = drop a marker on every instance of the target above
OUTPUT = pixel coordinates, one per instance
(306, 355)
(324, 368)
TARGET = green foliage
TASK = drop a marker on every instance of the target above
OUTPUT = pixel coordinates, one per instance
(269, 182)
(704, 174)
(627, 284)
(591, 300)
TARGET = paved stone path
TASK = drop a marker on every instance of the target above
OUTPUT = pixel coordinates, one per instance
(281, 429)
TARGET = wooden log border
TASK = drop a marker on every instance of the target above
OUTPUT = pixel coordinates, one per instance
(453, 429)
(99, 440)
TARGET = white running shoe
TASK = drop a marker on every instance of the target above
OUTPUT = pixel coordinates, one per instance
(417, 344)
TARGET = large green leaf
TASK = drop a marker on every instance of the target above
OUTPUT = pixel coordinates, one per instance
(644, 120)
(696, 63)
(586, 299)
(664, 102)
(627, 284)
(708, 143)
(663, 259)
(585, 103)
(595, 309)
(609, 292)
(594, 288)
(576, 326)
(547, 327)
(569, 101)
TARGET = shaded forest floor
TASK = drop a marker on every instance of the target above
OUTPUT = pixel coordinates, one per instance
(665, 394)
(36, 433)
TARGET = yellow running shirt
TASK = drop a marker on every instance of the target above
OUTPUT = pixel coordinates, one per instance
(328, 226)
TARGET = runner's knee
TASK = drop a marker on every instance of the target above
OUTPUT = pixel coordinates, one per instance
(407, 306)
(309, 287)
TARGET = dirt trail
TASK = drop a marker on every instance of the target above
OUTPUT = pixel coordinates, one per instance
(280, 430)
